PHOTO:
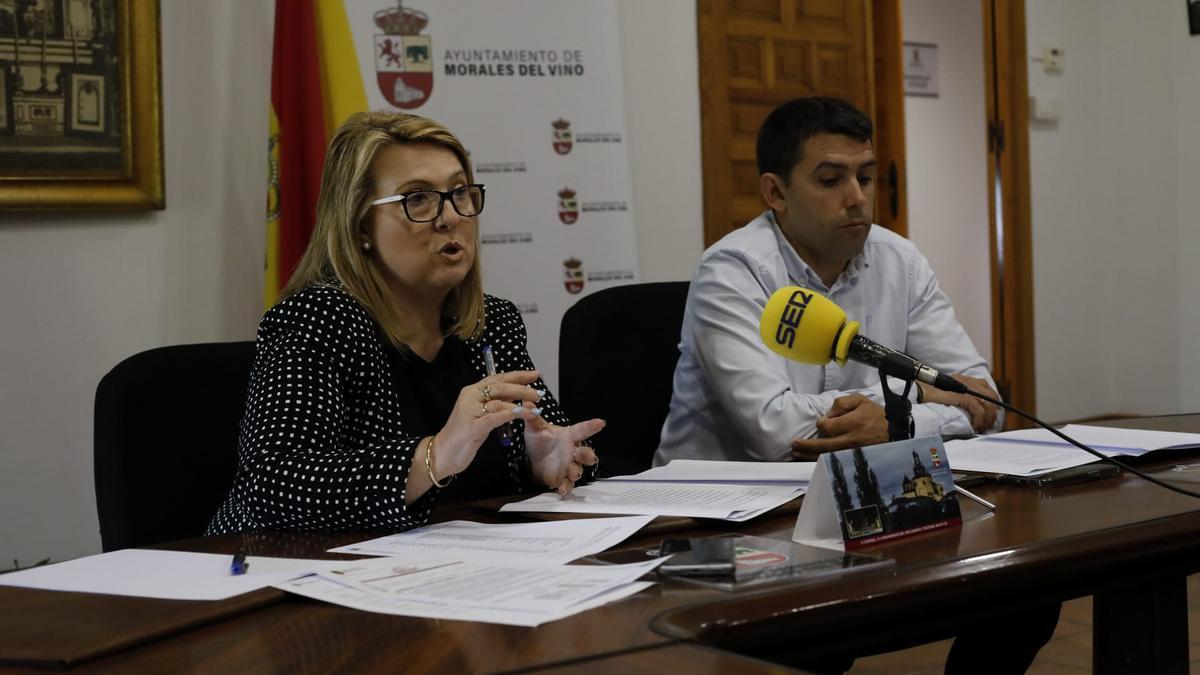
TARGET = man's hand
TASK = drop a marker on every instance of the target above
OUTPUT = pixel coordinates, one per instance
(982, 413)
(853, 421)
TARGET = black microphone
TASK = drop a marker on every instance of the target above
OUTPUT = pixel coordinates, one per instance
(805, 326)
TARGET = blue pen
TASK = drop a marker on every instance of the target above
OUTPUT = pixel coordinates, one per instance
(239, 564)
(506, 438)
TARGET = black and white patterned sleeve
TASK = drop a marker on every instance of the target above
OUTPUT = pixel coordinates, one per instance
(317, 451)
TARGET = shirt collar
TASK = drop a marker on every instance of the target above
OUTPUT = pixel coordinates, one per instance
(802, 274)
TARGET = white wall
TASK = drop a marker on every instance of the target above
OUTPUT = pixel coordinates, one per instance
(81, 292)
(662, 113)
(1109, 184)
(946, 139)
(1185, 64)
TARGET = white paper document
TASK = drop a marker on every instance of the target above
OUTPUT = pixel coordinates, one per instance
(524, 594)
(319, 588)
(550, 542)
(725, 472)
(1031, 452)
(173, 575)
(723, 502)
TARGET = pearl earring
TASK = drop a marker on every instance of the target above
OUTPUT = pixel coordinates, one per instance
(366, 246)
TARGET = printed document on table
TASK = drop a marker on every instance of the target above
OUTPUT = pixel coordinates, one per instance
(527, 586)
(320, 588)
(550, 542)
(723, 502)
(1013, 458)
(1108, 440)
(519, 594)
(725, 472)
(174, 575)
(1031, 452)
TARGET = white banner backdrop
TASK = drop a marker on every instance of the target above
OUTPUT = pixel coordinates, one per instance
(533, 88)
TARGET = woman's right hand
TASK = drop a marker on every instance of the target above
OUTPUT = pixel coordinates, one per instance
(480, 408)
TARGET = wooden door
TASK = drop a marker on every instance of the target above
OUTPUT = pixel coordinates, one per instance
(1007, 90)
(756, 54)
(891, 203)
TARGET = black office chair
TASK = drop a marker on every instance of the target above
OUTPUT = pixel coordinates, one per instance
(616, 360)
(166, 438)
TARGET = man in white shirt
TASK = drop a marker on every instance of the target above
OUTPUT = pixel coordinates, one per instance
(736, 399)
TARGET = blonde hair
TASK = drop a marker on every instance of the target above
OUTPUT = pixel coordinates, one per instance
(334, 255)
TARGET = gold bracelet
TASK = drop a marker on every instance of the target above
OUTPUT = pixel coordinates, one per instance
(429, 464)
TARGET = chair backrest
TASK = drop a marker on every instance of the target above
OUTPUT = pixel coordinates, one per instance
(616, 360)
(166, 439)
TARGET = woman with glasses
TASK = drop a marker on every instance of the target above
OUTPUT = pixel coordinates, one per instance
(385, 380)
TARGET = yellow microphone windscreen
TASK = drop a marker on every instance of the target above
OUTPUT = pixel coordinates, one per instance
(805, 326)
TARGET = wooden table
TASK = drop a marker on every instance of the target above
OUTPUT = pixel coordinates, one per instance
(1127, 542)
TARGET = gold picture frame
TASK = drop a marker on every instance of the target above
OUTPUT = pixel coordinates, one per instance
(80, 105)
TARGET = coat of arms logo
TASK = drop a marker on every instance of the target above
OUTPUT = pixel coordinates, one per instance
(403, 57)
(573, 275)
(568, 207)
(562, 136)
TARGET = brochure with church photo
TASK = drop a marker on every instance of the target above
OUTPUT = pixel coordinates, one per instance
(870, 495)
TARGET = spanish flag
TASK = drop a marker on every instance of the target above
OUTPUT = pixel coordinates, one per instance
(315, 85)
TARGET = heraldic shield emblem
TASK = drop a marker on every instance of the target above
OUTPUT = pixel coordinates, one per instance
(568, 206)
(573, 275)
(562, 136)
(403, 57)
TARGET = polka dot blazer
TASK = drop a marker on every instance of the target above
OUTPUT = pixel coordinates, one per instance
(322, 444)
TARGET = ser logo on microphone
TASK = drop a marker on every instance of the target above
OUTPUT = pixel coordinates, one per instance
(793, 311)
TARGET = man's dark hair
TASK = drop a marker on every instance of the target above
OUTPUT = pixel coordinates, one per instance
(786, 129)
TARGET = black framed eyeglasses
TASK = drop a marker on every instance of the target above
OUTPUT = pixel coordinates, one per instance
(423, 206)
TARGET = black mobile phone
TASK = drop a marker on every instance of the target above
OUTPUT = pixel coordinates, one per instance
(708, 556)
(1074, 474)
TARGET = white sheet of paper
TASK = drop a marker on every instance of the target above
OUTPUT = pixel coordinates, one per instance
(725, 472)
(723, 502)
(1013, 457)
(319, 588)
(550, 542)
(1108, 440)
(509, 585)
(1031, 452)
(173, 575)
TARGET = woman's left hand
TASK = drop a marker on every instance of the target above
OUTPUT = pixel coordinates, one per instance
(554, 452)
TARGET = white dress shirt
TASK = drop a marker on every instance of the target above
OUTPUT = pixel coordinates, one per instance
(736, 399)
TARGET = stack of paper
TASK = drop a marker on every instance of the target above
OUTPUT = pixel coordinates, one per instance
(701, 471)
(1031, 452)
(735, 491)
(508, 573)
(450, 587)
(559, 541)
(511, 574)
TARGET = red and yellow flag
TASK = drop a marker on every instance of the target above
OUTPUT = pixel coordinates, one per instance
(315, 84)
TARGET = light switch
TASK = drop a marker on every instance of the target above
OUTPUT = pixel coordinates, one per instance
(1043, 108)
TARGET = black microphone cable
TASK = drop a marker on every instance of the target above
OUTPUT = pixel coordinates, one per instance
(1081, 446)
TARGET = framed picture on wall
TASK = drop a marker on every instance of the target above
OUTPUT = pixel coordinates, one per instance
(80, 106)
(1194, 16)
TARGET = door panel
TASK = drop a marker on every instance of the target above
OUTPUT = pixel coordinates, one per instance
(754, 55)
